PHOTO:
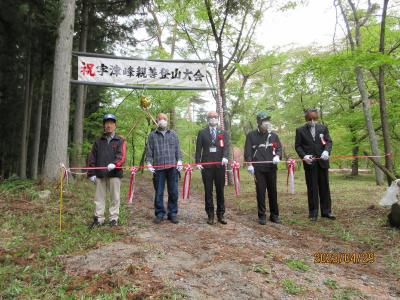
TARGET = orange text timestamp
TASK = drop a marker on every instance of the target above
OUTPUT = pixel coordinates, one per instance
(344, 257)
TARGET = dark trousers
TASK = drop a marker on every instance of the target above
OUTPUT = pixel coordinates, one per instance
(266, 181)
(210, 177)
(317, 181)
(171, 177)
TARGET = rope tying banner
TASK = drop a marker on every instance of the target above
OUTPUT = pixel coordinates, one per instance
(186, 182)
(131, 190)
(218, 163)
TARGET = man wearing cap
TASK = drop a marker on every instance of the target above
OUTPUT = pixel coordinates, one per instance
(163, 152)
(109, 152)
(263, 145)
(313, 144)
(212, 146)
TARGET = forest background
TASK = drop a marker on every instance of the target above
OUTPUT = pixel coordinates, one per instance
(354, 82)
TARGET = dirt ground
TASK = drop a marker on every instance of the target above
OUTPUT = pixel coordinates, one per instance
(240, 260)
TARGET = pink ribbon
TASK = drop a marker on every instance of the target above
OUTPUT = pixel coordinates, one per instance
(291, 163)
(236, 177)
(131, 190)
(186, 182)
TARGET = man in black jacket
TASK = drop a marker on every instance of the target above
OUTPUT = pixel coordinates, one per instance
(263, 145)
(212, 146)
(313, 144)
(109, 151)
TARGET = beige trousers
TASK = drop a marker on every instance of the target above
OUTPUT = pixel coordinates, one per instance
(103, 185)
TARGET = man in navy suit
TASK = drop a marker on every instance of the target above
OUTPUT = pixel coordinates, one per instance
(314, 145)
(212, 146)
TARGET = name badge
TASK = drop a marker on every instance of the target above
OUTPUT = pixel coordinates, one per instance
(213, 149)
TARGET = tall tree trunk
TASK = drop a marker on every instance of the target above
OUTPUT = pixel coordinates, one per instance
(173, 47)
(226, 116)
(355, 43)
(31, 91)
(368, 122)
(25, 125)
(77, 139)
(382, 101)
(38, 127)
(57, 144)
(354, 162)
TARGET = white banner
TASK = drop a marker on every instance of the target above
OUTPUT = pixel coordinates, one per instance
(137, 72)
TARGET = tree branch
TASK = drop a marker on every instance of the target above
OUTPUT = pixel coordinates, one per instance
(212, 23)
(237, 41)
(224, 21)
(346, 21)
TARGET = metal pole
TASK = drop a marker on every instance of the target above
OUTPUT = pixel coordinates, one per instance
(141, 87)
(77, 53)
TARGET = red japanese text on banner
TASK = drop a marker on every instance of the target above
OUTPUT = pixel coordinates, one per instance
(135, 72)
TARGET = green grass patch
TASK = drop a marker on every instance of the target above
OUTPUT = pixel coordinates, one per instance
(297, 265)
(393, 261)
(258, 268)
(347, 294)
(331, 283)
(292, 288)
(31, 241)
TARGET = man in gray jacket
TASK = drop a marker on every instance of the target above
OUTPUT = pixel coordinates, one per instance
(164, 153)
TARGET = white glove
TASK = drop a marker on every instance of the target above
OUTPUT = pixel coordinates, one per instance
(308, 159)
(93, 179)
(224, 161)
(110, 167)
(250, 169)
(150, 168)
(276, 160)
(179, 166)
(200, 167)
(325, 155)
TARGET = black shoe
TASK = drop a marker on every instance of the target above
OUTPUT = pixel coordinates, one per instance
(329, 216)
(173, 219)
(95, 223)
(210, 220)
(113, 223)
(275, 219)
(222, 220)
(313, 218)
(262, 221)
(158, 220)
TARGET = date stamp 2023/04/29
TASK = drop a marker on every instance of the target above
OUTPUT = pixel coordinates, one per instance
(344, 257)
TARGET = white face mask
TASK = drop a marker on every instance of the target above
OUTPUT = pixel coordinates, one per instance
(266, 126)
(213, 122)
(162, 124)
(312, 123)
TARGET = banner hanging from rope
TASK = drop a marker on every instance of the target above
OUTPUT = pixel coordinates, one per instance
(119, 71)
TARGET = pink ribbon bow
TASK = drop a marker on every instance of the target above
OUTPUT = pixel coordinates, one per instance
(131, 190)
(236, 177)
(290, 175)
(186, 182)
